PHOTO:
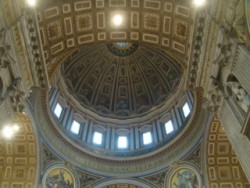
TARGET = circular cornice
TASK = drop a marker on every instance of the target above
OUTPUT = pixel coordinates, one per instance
(97, 163)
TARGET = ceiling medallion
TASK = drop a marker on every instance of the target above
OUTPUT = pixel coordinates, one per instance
(122, 49)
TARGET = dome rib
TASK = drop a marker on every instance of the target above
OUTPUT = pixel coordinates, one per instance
(120, 86)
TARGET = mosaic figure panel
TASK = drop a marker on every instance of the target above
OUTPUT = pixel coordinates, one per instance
(59, 177)
(185, 176)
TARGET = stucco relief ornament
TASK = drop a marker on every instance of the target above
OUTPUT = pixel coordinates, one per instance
(213, 102)
(15, 95)
(4, 50)
(240, 94)
(214, 96)
(2, 36)
(237, 28)
(239, 23)
(225, 56)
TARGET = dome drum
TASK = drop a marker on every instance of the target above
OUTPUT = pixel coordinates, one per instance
(108, 134)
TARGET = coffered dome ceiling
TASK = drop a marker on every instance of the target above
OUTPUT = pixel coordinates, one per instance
(124, 81)
(121, 79)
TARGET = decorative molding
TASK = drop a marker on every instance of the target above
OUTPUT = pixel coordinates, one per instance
(222, 165)
(195, 157)
(198, 43)
(37, 57)
(4, 50)
(157, 179)
(47, 157)
(149, 28)
(115, 166)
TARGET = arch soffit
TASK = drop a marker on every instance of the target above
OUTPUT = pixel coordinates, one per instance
(171, 32)
(26, 149)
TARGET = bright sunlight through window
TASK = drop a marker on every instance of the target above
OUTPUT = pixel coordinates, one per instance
(97, 138)
(186, 109)
(147, 138)
(122, 142)
(58, 110)
(169, 127)
(75, 127)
